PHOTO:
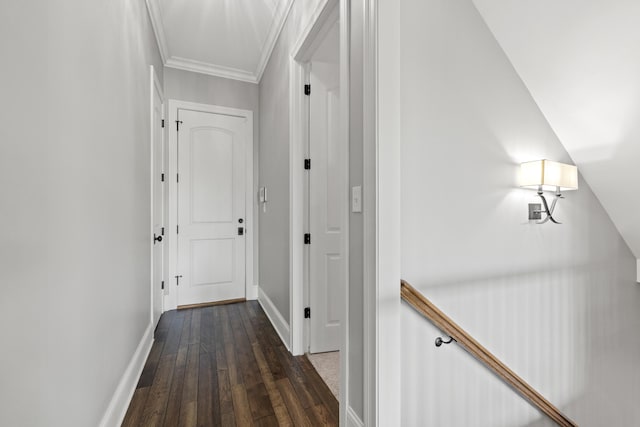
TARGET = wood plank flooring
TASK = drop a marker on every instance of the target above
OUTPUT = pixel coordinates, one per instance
(226, 366)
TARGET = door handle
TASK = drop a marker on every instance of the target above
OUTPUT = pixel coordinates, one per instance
(156, 238)
(240, 231)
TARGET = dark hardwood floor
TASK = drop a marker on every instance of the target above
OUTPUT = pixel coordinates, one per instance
(225, 366)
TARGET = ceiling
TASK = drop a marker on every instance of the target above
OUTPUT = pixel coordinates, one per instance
(224, 38)
(580, 60)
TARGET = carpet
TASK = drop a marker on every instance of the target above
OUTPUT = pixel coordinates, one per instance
(328, 366)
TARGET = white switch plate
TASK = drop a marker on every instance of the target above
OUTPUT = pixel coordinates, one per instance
(356, 199)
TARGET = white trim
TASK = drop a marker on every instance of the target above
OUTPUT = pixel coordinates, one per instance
(382, 171)
(275, 317)
(211, 69)
(298, 141)
(117, 409)
(346, 413)
(277, 25)
(638, 266)
(251, 203)
(312, 34)
(352, 419)
(154, 85)
(369, 216)
(158, 28)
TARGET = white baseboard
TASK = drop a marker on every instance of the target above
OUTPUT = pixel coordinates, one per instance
(119, 404)
(280, 325)
(353, 420)
(252, 293)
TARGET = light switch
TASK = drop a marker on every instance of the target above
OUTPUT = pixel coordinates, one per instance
(356, 199)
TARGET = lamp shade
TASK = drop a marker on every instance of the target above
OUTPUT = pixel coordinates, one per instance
(548, 175)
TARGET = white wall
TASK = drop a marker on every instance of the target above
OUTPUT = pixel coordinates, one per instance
(573, 56)
(74, 160)
(557, 303)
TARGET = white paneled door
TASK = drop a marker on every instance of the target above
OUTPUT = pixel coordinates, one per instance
(327, 181)
(211, 206)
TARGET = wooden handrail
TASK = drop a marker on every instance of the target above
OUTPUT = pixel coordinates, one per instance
(448, 326)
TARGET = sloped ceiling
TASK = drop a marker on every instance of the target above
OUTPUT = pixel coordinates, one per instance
(225, 38)
(580, 60)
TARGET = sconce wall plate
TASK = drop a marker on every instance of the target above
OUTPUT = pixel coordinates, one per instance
(535, 211)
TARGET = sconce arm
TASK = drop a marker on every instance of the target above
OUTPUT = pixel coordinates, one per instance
(549, 210)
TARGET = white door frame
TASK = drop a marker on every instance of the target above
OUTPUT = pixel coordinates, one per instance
(326, 11)
(298, 143)
(154, 85)
(251, 205)
(381, 213)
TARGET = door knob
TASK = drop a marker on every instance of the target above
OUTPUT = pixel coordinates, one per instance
(156, 238)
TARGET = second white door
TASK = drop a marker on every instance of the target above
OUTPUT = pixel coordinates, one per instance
(327, 202)
(211, 207)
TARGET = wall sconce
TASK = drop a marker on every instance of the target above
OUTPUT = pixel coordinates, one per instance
(545, 175)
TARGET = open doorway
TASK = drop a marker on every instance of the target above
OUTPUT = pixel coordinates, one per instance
(320, 197)
(326, 183)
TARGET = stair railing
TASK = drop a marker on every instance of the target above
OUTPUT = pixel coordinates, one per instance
(425, 307)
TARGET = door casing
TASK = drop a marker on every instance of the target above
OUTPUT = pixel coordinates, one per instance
(251, 289)
(154, 179)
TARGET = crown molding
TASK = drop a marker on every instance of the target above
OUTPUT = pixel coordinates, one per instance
(210, 69)
(274, 33)
(158, 29)
(186, 64)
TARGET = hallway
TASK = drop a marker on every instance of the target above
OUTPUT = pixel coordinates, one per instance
(225, 365)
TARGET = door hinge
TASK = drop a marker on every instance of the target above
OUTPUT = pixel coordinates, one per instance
(307, 239)
(177, 177)
(177, 229)
(162, 285)
(307, 164)
(178, 122)
(307, 312)
(162, 124)
(162, 177)
(307, 90)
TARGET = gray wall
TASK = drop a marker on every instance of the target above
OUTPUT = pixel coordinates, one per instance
(75, 206)
(274, 174)
(195, 87)
(557, 303)
(204, 89)
(274, 161)
(356, 226)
